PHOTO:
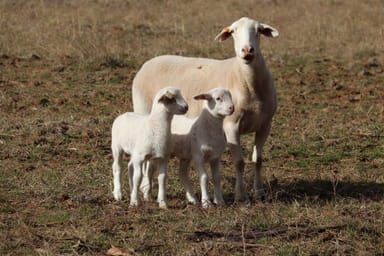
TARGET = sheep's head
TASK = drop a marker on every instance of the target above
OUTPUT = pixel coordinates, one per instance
(172, 100)
(246, 35)
(219, 102)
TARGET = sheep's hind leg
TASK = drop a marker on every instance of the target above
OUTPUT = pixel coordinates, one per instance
(146, 183)
(233, 141)
(184, 178)
(162, 178)
(218, 196)
(137, 173)
(260, 138)
(116, 170)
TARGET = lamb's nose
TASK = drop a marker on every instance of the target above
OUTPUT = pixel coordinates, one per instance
(248, 50)
(231, 109)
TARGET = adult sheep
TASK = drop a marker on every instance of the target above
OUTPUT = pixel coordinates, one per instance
(245, 75)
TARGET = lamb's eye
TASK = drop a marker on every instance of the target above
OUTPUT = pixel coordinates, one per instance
(218, 99)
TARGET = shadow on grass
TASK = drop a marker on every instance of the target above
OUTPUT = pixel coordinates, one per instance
(324, 190)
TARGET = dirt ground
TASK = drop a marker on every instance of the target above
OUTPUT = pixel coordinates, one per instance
(66, 69)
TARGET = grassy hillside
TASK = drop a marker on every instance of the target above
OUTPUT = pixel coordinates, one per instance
(66, 69)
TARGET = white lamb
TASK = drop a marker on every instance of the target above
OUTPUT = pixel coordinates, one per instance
(145, 138)
(200, 140)
(246, 76)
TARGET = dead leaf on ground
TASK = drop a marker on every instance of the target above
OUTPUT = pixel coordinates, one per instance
(114, 251)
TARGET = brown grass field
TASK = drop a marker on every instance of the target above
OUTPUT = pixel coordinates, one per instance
(66, 69)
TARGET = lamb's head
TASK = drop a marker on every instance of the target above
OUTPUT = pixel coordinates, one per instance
(246, 35)
(172, 100)
(218, 102)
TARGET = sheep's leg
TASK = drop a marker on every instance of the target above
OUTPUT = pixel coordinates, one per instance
(185, 181)
(161, 197)
(260, 138)
(116, 170)
(205, 202)
(218, 196)
(233, 141)
(137, 173)
(130, 175)
(146, 183)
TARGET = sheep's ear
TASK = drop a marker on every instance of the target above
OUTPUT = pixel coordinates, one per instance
(267, 30)
(224, 34)
(167, 97)
(203, 96)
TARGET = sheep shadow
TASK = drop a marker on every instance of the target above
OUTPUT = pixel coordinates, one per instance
(323, 190)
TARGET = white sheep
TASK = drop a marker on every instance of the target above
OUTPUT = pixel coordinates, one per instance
(246, 76)
(145, 138)
(200, 140)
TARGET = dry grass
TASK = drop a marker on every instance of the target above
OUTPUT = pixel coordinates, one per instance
(65, 73)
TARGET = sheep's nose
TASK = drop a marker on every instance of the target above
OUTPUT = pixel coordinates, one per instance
(231, 109)
(247, 50)
(186, 108)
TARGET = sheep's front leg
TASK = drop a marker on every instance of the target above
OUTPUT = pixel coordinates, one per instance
(205, 202)
(137, 173)
(215, 169)
(161, 197)
(185, 181)
(233, 140)
(116, 171)
(146, 183)
(260, 138)
(130, 175)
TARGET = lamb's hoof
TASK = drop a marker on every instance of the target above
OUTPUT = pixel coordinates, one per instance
(147, 198)
(117, 196)
(163, 205)
(191, 199)
(259, 195)
(242, 198)
(134, 204)
(206, 204)
(219, 201)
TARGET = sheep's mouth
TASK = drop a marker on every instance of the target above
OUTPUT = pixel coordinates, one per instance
(249, 57)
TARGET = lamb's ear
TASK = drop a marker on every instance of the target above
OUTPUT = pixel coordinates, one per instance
(203, 96)
(167, 97)
(267, 30)
(224, 34)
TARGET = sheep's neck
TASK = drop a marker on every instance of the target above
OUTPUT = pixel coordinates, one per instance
(209, 122)
(247, 73)
(161, 120)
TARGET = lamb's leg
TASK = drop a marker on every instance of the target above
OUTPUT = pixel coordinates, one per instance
(146, 183)
(130, 175)
(205, 202)
(161, 197)
(218, 196)
(233, 140)
(137, 173)
(260, 138)
(185, 181)
(116, 170)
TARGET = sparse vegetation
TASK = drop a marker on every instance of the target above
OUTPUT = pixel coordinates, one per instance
(66, 69)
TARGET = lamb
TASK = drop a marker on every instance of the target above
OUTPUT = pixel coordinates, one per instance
(245, 75)
(145, 138)
(202, 140)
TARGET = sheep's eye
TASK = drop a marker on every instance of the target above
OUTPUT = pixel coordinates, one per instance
(218, 99)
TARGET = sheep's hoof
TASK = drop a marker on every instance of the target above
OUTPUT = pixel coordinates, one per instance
(219, 201)
(242, 198)
(191, 199)
(163, 205)
(134, 204)
(206, 204)
(259, 194)
(117, 196)
(147, 198)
